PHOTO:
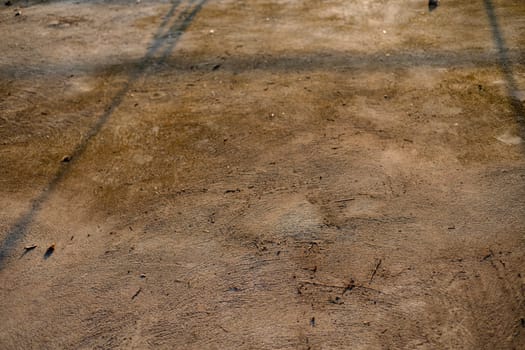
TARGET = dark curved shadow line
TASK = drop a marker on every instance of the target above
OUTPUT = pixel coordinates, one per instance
(506, 66)
(161, 39)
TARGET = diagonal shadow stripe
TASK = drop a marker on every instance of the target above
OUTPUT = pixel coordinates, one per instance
(162, 43)
(506, 66)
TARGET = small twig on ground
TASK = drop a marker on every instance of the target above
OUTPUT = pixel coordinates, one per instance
(344, 200)
(345, 287)
(320, 284)
(136, 293)
(378, 263)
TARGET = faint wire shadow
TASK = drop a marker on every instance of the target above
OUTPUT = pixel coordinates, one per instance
(506, 66)
(163, 38)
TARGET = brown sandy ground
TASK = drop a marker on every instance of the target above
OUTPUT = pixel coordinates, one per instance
(265, 174)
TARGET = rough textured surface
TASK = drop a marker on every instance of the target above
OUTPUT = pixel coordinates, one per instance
(264, 174)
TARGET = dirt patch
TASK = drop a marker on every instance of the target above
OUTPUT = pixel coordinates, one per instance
(263, 174)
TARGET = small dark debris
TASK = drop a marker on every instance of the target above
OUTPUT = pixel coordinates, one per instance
(488, 256)
(261, 247)
(312, 269)
(432, 4)
(136, 293)
(142, 275)
(349, 286)
(18, 13)
(312, 322)
(452, 227)
(337, 301)
(49, 251)
(232, 191)
(234, 289)
(65, 159)
(522, 322)
(8, 3)
(28, 248)
(217, 66)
